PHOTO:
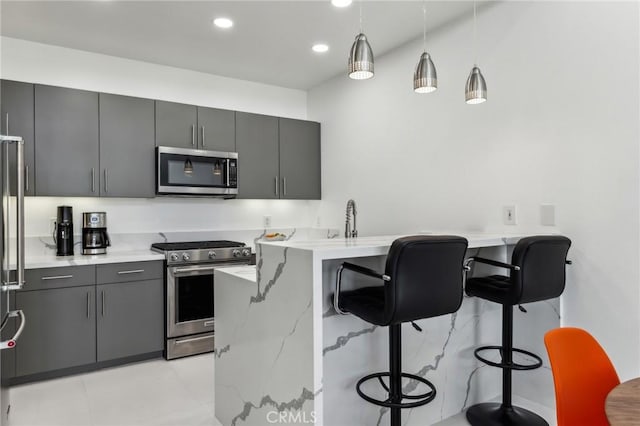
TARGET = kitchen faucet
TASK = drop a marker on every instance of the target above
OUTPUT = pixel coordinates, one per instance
(351, 211)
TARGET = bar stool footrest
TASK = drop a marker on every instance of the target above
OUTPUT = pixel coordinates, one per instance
(511, 365)
(421, 399)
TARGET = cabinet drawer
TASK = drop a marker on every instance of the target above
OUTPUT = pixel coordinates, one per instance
(129, 271)
(66, 276)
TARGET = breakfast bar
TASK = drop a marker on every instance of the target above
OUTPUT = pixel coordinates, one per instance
(283, 355)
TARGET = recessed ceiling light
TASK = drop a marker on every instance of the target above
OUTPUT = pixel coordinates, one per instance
(341, 3)
(223, 22)
(320, 48)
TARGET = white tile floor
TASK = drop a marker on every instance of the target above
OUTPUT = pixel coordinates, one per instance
(159, 393)
(164, 393)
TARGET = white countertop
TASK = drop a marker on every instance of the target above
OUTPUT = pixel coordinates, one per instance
(53, 261)
(246, 272)
(336, 248)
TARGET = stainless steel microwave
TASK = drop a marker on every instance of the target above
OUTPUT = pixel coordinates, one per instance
(183, 171)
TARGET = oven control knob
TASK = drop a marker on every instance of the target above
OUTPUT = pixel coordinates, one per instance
(246, 252)
(185, 256)
(236, 253)
(174, 257)
(212, 255)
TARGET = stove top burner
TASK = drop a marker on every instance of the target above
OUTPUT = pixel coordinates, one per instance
(196, 245)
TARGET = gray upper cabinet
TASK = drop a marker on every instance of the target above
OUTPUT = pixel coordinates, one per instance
(17, 120)
(61, 329)
(176, 125)
(127, 146)
(66, 135)
(300, 159)
(130, 319)
(216, 129)
(257, 146)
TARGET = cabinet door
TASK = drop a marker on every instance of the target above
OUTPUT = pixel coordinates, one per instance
(130, 319)
(257, 146)
(176, 124)
(127, 146)
(216, 129)
(60, 331)
(300, 159)
(17, 120)
(66, 134)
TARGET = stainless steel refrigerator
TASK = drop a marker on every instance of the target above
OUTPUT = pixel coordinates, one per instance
(11, 250)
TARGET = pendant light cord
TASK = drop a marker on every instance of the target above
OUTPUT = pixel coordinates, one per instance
(361, 16)
(475, 34)
(424, 25)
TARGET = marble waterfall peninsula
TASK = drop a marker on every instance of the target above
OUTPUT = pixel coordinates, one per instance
(283, 355)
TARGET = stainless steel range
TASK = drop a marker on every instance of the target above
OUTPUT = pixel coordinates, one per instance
(190, 291)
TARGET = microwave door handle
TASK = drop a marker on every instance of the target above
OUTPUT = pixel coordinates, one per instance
(228, 182)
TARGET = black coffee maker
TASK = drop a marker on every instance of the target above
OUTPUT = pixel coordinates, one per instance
(63, 236)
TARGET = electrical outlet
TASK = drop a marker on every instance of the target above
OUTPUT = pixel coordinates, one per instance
(266, 221)
(318, 222)
(509, 215)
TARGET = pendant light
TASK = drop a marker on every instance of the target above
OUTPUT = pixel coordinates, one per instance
(361, 56)
(425, 78)
(188, 167)
(475, 91)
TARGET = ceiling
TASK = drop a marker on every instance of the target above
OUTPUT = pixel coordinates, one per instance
(270, 41)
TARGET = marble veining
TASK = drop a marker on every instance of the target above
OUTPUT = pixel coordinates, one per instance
(289, 344)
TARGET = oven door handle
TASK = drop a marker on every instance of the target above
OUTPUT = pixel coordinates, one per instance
(192, 269)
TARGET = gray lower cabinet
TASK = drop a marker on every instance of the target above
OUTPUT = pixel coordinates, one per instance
(176, 124)
(127, 146)
(66, 135)
(17, 119)
(216, 129)
(60, 331)
(130, 319)
(257, 146)
(300, 159)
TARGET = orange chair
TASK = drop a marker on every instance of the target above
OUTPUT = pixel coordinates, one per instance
(583, 376)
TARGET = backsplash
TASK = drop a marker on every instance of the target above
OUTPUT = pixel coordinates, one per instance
(168, 214)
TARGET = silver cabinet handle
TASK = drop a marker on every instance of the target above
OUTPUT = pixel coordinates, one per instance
(7, 124)
(26, 178)
(56, 277)
(203, 141)
(102, 297)
(133, 271)
(93, 179)
(276, 185)
(88, 303)
(11, 343)
(106, 179)
(193, 135)
(284, 186)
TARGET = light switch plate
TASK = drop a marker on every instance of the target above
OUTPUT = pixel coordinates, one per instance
(547, 214)
(509, 215)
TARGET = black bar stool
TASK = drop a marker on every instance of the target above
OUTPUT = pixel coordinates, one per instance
(537, 272)
(422, 279)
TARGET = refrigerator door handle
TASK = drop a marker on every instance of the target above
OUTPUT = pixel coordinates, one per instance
(6, 284)
(11, 343)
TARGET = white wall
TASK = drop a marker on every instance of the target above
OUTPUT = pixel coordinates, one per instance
(39, 63)
(560, 126)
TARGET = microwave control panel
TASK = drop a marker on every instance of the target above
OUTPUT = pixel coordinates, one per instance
(233, 173)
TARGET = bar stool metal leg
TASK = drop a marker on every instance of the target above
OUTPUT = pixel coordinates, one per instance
(395, 368)
(505, 414)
